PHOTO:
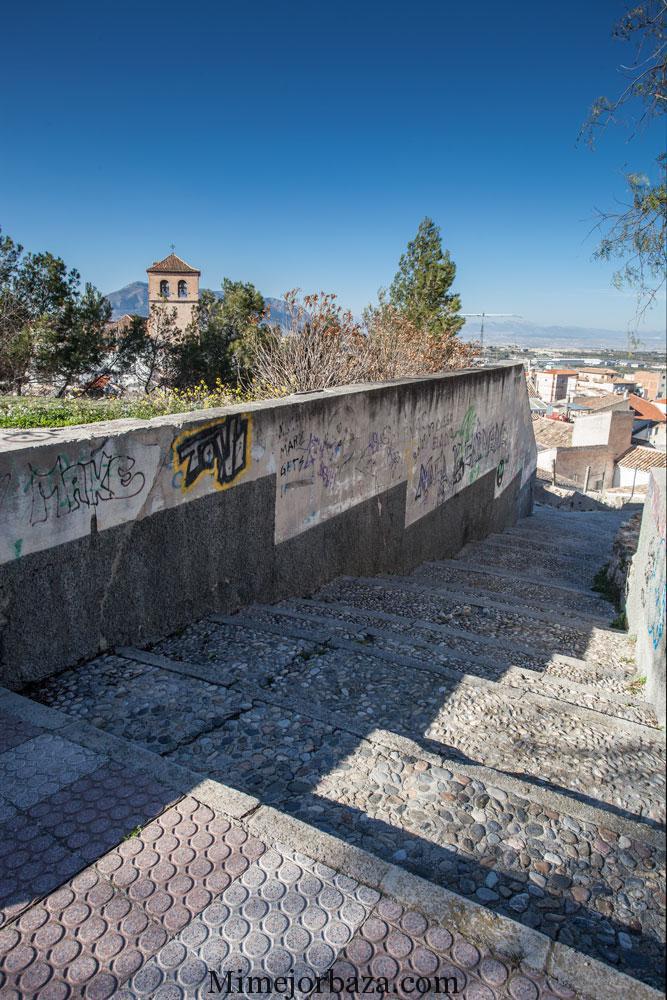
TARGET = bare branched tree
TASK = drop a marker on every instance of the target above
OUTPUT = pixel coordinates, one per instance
(635, 233)
(396, 346)
(318, 349)
(324, 346)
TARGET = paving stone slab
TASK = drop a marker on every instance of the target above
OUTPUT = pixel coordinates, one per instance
(32, 863)
(39, 767)
(84, 940)
(287, 915)
(14, 731)
(93, 814)
(421, 958)
(176, 865)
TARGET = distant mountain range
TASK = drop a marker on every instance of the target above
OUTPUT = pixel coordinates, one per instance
(526, 334)
(133, 299)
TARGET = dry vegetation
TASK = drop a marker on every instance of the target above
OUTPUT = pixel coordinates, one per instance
(324, 346)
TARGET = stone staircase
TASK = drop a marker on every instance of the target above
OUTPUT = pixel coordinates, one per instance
(478, 723)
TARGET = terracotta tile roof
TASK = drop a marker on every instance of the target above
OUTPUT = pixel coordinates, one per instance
(599, 402)
(552, 433)
(646, 409)
(557, 371)
(172, 265)
(598, 371)
(644, 459)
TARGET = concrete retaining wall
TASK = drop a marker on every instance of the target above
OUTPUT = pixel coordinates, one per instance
(118, 532)
(645, 606)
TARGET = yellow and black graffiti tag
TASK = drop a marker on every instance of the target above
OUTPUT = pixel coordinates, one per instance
(219, 448)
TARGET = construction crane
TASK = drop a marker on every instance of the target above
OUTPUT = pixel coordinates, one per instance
(483, 316)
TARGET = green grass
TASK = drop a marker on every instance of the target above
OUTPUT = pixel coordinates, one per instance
(133, 833)
(620, 622)
(635, 686)
(26, 412)
(603, 586)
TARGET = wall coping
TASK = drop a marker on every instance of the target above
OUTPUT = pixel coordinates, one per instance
(15, 439)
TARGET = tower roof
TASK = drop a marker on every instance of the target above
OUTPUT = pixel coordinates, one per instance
(172, 265)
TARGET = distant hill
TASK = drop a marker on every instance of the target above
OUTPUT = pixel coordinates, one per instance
(526, 334)
(133, 299)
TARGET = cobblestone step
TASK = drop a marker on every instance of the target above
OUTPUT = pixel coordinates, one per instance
(616, 763)
(501, 598)
(542, 537)
(574, 521)
(585, 752)
(564, 589)
(472, 723)
(209, 874)
(304, 621)
(540, 566)
(557, 529)
(592, 553)
(602, 647)
(483, 655)
(619, 766)
(451, 575)
(576, 880)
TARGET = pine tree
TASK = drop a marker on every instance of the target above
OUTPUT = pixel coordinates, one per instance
(421, 288)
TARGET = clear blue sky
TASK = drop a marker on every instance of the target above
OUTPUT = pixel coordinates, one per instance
(299, 144)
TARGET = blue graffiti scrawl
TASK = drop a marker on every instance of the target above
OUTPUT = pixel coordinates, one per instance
(657, 597)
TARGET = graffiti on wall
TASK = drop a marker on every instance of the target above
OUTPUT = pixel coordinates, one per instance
(449, 455)
(334, 455)
(310, 454)
(69, 486)
(653, 593)
(326, 458)
(327, 461)
(218, 449)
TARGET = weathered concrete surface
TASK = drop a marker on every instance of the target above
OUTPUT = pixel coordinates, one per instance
(118, 532)
(645, 606)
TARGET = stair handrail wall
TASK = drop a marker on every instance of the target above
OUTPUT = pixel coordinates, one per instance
(646, 600)
(113, 533)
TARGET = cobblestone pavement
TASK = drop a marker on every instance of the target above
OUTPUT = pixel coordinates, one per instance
(476, 724)
(499, 586)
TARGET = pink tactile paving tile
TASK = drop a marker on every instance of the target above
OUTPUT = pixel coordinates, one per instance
(421, 958)
(85, 939)
(95, 813)
(176, 865)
